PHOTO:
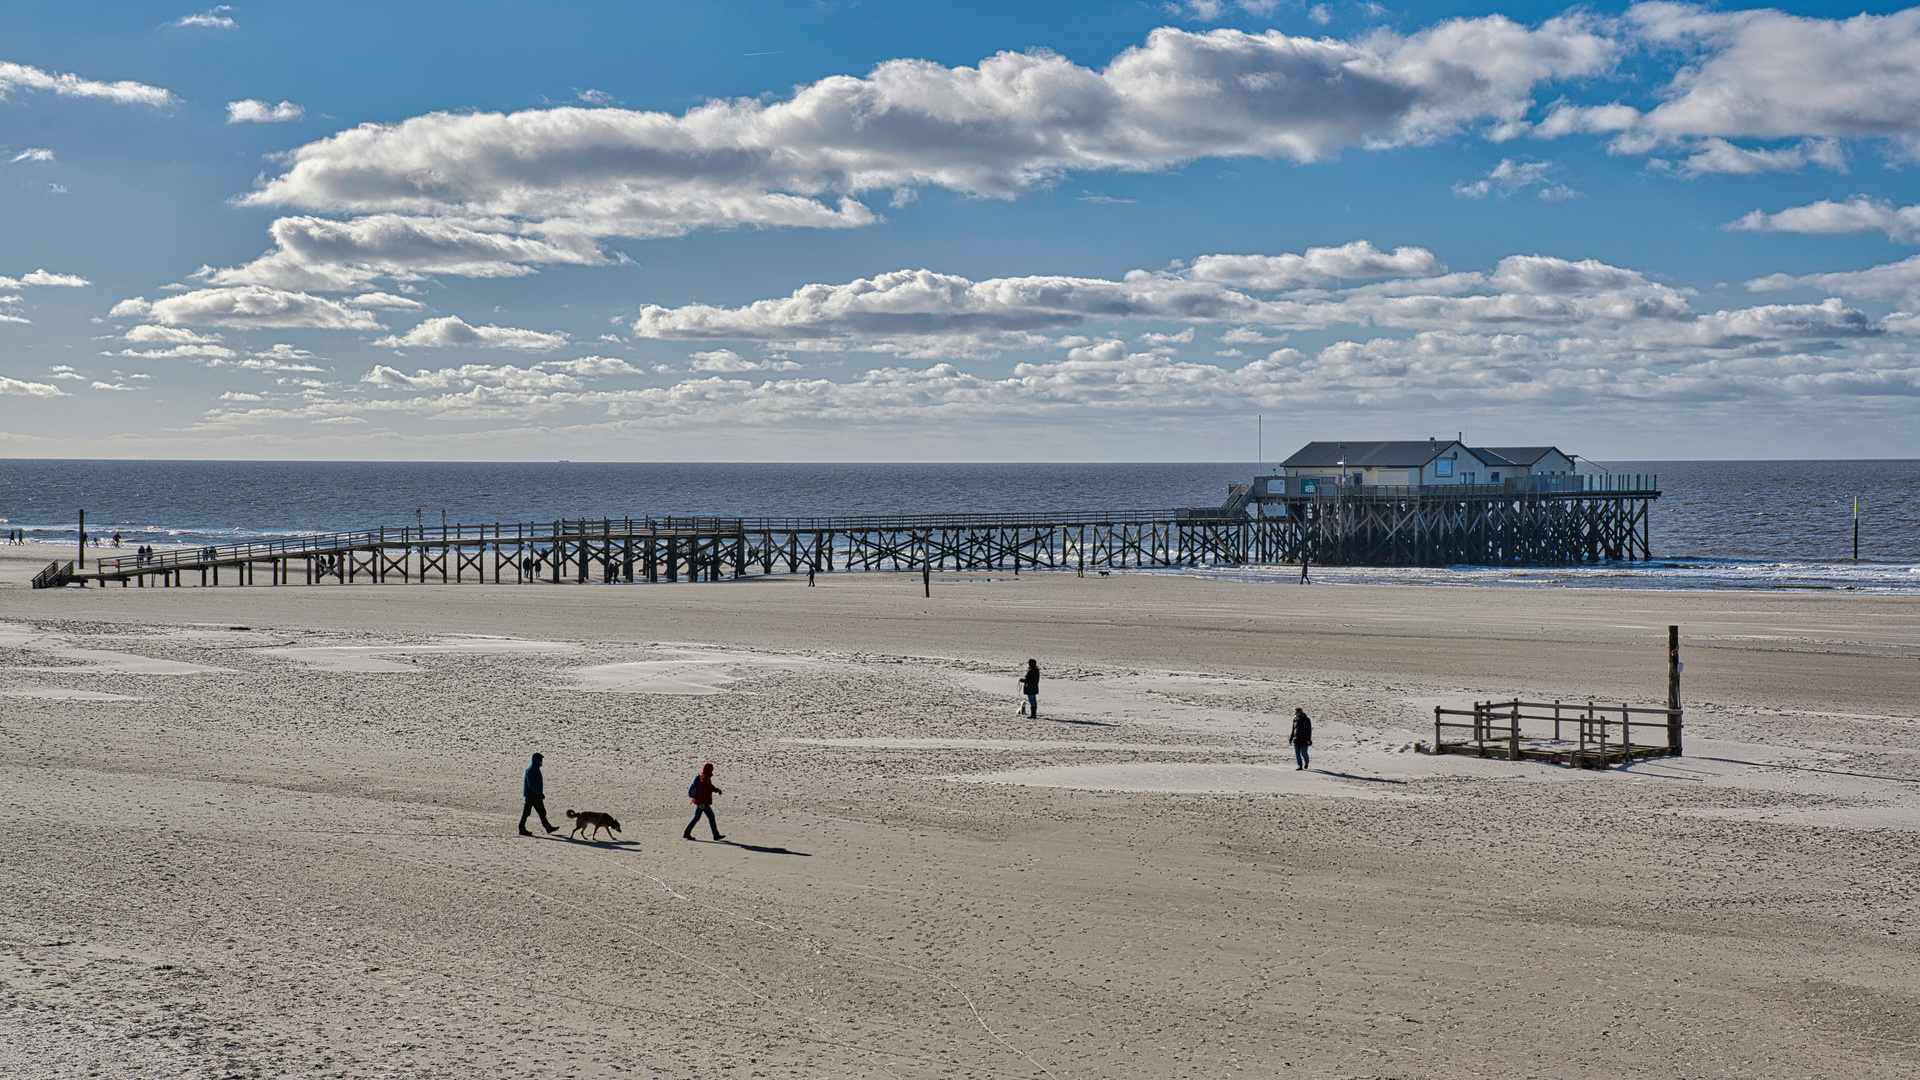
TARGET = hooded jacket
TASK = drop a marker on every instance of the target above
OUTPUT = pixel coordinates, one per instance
(703, 790)
(535, 785)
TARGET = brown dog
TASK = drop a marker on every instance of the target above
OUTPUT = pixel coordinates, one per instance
(593, 822)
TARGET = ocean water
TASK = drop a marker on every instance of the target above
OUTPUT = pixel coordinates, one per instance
(1718, 524)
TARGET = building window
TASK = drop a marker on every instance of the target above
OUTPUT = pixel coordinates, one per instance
(1443, 467)
(1493, 477)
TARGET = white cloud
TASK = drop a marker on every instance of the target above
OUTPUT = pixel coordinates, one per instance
(1016, 121)
(37, 153)
(1511, 177)
(211, 19)
(43, 278)
(451, 331)
(20, 388)
(1827, 218)
(234, 395)
(66, 371)
(21, 77)
(98, 385)
(726, 360)
(504, 376)
(69, 281)
(386, 300)
(1721, 156)
(1900, 280)
(247, 306)
(594, 97)
(1318, 266)
(333, 256)
(250, 111)
(592, 365)
(922, 315)
(1770, 75)
(924, 304)
(1320, 14)
(1184, 337)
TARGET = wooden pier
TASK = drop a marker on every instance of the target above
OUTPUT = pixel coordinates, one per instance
(1260, 524)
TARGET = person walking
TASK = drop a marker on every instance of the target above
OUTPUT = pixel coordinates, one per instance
(1301, 737)
(1030, 686)
(702, 791)
(534, 790)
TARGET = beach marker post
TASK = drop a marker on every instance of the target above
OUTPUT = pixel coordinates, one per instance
(83, 539)
(1856, 528)
(1673, 690)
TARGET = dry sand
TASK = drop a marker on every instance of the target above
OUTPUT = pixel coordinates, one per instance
(270, 831)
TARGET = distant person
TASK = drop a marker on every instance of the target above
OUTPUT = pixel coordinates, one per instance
(702, 791)
(1303, 571)
(116, 539)
(1030, 686)
(1301, 737)
(534, 790)
(809, 577)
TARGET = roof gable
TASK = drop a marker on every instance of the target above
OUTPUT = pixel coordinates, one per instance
(1520, 455)
(1368, 455)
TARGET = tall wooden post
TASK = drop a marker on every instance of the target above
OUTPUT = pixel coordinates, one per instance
(83, 539)
(1673, 690)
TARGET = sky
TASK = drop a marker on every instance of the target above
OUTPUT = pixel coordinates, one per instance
(914, 230)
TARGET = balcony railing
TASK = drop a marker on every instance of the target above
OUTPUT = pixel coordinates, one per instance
(1312, 487)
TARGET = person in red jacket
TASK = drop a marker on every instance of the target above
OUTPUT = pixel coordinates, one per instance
(702, 791)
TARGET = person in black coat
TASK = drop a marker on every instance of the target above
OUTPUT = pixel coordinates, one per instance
(1301, 737)
(1030, 686)
(534, 790)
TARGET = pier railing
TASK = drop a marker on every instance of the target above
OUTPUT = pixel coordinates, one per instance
(1309, 487)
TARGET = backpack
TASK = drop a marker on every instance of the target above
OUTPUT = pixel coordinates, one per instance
(691, 787)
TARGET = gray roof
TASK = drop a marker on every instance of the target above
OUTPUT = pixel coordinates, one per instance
(1366, 455)
(1515, 455)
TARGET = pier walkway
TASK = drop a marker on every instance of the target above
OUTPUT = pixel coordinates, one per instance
(1345, 526)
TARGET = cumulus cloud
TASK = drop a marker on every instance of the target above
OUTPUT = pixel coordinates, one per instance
(1015, 121)
(251, 111)
(247, 306)
(506, 376)
(1828, 218)
(1898, 280)
(21, 77)
(726, 360)
(20, 388)
(451, 331)
(922, 315)
(66, 281)
(214, 18)
(332, 256)
(1511, 177)
(174, 343)
(592, 365)
(38, 153)
(1721, 156)
(1767, 74)
(1318, 266)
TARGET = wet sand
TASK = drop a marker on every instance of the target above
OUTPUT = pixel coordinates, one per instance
(270, 831)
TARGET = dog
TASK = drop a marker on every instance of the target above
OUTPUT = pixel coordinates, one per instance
(592, 821)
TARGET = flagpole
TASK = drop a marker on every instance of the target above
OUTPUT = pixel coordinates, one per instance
(1856, 528)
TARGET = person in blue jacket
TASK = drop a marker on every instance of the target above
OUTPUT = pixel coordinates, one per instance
(534, 789)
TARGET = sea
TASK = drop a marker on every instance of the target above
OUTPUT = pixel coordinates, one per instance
(1717, 525)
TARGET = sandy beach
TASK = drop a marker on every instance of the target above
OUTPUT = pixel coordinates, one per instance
(271, 832)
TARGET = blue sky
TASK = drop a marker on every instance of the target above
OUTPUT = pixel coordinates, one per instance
(966, 231)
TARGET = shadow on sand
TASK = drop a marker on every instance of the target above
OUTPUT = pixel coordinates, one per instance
(1352, 776)
(1089, 723)
(758, 848)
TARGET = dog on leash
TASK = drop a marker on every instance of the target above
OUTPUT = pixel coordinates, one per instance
(592, 822)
